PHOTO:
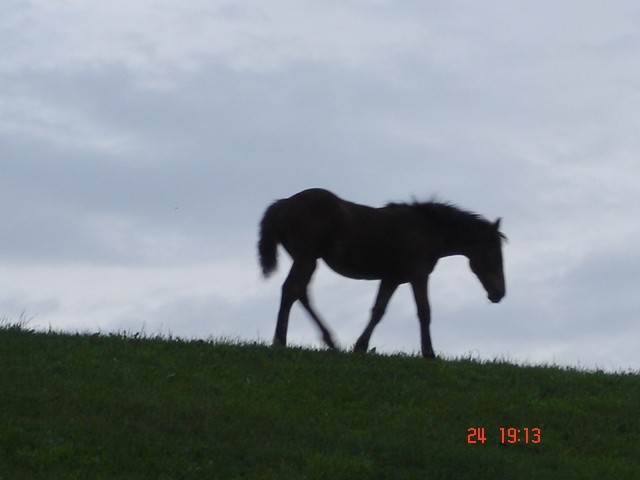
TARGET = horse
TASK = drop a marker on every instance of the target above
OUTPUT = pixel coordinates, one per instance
(395, 244)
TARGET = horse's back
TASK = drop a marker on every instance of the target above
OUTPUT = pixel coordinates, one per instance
(313, 197)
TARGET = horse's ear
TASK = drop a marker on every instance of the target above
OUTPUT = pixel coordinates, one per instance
(496, 225)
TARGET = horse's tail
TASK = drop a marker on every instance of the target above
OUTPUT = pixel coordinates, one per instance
(269, 239)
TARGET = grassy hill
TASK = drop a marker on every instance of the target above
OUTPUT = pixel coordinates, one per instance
(89, 406)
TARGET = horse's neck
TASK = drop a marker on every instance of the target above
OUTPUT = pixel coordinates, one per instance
(455, 242)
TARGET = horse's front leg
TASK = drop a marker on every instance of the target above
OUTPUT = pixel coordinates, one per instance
(424, 315)
(382, 300)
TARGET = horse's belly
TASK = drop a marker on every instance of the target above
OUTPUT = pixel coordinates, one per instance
(353, 270)
(362, 265)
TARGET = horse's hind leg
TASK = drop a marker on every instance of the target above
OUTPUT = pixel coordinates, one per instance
(286, 302)
(295, 288)
(326, 334)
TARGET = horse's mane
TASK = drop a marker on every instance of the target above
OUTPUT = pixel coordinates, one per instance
(450, 216)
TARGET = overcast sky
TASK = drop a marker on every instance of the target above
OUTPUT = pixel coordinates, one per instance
(140, 143)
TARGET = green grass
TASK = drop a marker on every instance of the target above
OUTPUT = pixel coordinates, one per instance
(88, 406)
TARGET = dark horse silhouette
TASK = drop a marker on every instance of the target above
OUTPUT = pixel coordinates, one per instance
(396, 244)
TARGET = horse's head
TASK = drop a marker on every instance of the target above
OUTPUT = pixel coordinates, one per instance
(485, 260)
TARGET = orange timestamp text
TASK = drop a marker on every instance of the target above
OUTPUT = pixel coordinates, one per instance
(506, 435)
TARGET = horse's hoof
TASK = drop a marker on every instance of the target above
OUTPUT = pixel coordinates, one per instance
(328, 341)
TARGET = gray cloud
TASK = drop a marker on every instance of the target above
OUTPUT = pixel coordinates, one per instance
(140, 145)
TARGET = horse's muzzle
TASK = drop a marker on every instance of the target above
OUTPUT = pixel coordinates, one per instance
(496, 291)
(495, 288)
(495, 297)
